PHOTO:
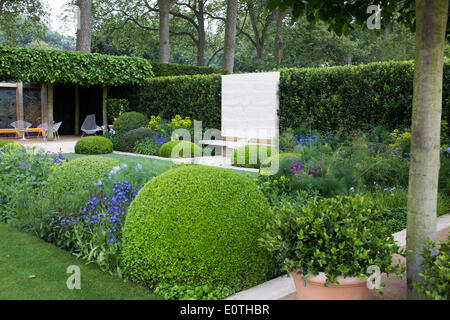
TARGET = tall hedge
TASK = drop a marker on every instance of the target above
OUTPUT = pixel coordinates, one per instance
(351, 97)
(172, 69)
(56, 66)
(345, 97)
(197, 97)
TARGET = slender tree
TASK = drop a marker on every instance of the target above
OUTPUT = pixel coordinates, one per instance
(84, 26)
(164, 30)
(430, 18)
(278, 37)
(230, 35)
(260, 22)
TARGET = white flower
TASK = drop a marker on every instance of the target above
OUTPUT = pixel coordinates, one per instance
(114, 170)
(351, 189)
(138, 167)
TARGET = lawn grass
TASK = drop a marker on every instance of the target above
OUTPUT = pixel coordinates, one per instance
(157, 165)
(33, 269)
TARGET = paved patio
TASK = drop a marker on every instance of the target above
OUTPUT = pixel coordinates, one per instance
(65, 144)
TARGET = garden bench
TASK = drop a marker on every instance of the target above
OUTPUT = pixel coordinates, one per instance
(228, 146)
(16, 131)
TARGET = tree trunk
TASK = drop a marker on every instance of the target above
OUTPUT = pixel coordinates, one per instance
(230, 35)
(278, 38)
(164, 36)
(201, 44)
(348, 58)
(84, 27)
(431, 22)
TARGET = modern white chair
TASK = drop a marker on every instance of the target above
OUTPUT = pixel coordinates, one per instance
(56, 127)
(20, 125)
(90, 126)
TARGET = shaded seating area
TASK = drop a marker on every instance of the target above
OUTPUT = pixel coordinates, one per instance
(21, 128)
(41, 86)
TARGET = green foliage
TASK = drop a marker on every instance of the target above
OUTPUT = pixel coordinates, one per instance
(173, 69)
(129, 121)
(197, 225)
(197, 97)
(81, 173)
(337, 236)
(21, 171)
(186, 149)
(436, 271)
(94, 145)
(147, 147)
(356, 96)
(250, 156)
(9, 143)
(56, 66)
(187, 292)
(129, 139)
(116, 107)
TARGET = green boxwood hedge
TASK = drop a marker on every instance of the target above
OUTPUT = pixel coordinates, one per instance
(129, 121)
(345, 97)
(81, 173)
(57, 66)
(173, 69)
(197, 225)
(94, 145)
(166, 149)
(254, 156)
(352, 97)
(129, 139)
(197, 97)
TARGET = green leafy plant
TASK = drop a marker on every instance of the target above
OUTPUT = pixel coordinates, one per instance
(250, 156)
(4, 143)
(197, 225)
(94, 145)
(172, 69)
(116, 107)
(186, 149)
(129, 121)
(436, 274)
(129, 139)
(57, 66)
(186, 292)
(81, 173)
(337, 236)
(147, 147)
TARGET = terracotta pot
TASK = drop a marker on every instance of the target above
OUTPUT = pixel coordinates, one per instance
(349, 288)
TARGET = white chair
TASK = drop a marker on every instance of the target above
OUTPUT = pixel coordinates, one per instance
(20, 125)
(56, 129)
(90, 126)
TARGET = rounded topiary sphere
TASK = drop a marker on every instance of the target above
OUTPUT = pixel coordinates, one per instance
(250, 156)
(129, 121)
(94, 145)
(167, 148)
(129, 139)
(81, 173)
(197, 225)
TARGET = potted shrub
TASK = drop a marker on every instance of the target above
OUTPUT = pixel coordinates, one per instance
(328, 246)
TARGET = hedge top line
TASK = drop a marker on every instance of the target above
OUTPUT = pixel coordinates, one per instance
(56, 66)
